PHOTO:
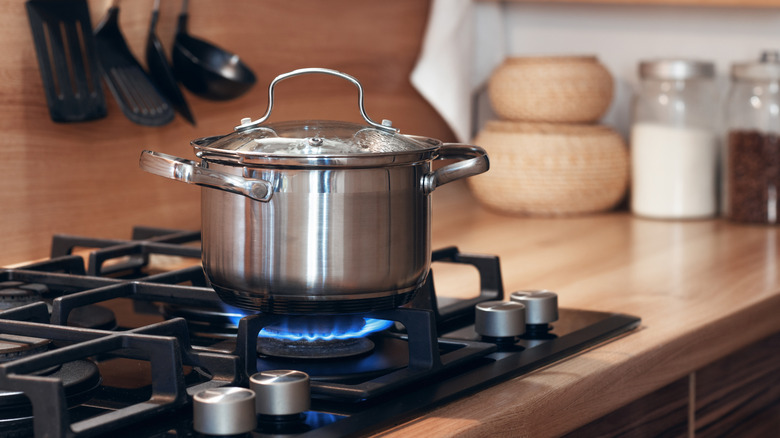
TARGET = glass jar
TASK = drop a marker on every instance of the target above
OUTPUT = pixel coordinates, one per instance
(674, 151)
(752, 156)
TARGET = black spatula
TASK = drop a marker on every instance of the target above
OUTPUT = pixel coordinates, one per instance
(128, 82)
(65, 48)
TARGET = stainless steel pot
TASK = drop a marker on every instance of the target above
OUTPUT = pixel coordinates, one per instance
(317, 216)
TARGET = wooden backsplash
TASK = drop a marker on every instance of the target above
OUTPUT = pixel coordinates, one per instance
(83, 178)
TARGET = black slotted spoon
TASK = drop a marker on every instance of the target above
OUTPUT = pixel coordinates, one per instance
(65, 49)
(132, 88)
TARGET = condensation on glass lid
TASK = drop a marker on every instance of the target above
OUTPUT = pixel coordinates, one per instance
(368, 141)
(317, 138)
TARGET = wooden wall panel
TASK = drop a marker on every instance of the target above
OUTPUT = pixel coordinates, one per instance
(83, 178)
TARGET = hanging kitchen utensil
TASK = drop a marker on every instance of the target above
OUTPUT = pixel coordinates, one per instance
(160, 70)
(128, 82)
(207, 70)
(65, 48)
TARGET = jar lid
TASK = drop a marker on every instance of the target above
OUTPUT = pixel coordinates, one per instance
(677, 69)
(766, 68)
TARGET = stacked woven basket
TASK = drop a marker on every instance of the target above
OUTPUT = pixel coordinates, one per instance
(548, 155)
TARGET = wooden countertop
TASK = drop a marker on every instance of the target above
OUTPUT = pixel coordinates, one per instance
(702, 288)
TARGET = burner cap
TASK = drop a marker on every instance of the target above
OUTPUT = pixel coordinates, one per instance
(79, 378)
(320, 337)
(92, 316)
(13, 346)
(15, 294)
(319, 349)
(389, 353)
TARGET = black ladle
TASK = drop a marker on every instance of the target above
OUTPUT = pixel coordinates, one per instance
(205, 69)
(160, 70)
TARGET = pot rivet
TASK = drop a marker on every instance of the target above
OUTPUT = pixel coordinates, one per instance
(388, 123)
(315, 141)
(246, 120)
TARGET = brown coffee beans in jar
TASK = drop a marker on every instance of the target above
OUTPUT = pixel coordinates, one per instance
(753, 176)
(752, 143)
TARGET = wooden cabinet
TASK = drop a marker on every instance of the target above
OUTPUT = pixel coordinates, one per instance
(664, 413)
(736, 396)
(739, 395)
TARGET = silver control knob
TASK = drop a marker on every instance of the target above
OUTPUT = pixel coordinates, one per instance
(224, 411)
(541, 306)
(499, 319)
(281, 392)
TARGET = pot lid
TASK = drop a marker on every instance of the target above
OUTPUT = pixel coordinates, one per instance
(316, 142)
(312, 138)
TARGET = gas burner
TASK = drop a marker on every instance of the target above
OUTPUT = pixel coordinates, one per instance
(94, 317)
(80, 379)
(320, 336)
(388, 353)
(16, 293)
(297, 337)
(13, 347)
(317, 349)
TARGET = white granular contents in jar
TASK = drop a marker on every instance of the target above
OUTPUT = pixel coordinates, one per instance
(673, 171)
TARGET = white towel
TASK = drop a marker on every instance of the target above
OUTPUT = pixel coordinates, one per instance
(464, 43)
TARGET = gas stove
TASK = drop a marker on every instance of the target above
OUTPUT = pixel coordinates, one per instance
(116, 340)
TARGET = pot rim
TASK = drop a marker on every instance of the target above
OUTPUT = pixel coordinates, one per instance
(384, 159)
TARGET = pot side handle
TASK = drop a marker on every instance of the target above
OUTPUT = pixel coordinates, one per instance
(191, 172)
(475, 161)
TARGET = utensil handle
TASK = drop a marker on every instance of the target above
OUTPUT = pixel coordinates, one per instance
(155, 16)
(181, 21)
(386, 125)
(192, 172)
(475, 161)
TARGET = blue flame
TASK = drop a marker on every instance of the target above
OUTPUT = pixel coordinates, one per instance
(234, 314)
(317, 328)
(350, 331)
(320, 419)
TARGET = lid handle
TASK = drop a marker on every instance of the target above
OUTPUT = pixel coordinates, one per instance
(248, 123)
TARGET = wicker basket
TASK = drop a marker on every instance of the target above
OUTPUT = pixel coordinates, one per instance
(548, 169)
(551, 89)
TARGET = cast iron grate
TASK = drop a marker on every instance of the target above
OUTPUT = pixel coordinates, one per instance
(116, 269)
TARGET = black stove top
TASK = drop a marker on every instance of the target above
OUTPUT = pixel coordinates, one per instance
(120, 345)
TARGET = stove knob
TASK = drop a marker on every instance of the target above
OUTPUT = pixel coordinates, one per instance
(541, 306)
(281, 392)
(500, 319)
(224, 411)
